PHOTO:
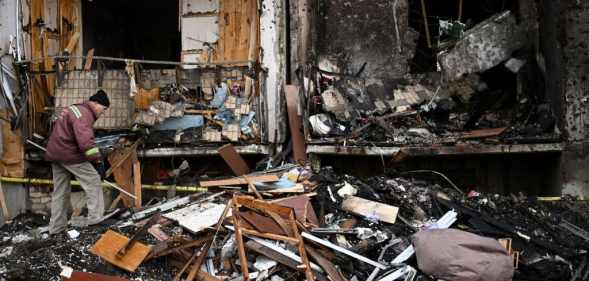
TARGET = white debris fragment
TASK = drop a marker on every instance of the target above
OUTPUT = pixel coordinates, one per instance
(263, 264)
(514, 65)
(276, 278)
(73, 234)
(66, 271)
(6, 252)
(347, 190)
(21, 238)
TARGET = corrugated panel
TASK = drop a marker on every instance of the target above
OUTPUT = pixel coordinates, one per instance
(80, 85)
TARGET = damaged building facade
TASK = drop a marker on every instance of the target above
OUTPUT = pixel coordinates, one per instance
(483, 91)
(495, 93)
(492, 95)
(302, 139)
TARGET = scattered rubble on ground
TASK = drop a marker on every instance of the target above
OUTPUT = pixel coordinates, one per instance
(335, 227)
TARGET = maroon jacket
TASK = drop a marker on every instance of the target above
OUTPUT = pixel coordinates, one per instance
(72, 139)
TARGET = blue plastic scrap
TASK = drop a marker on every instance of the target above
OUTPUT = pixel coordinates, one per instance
(182, 123)
(220, 95)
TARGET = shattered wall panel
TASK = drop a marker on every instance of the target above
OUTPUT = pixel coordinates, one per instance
(80, 85)
(199, 31)
(482, 47)
(375, 33)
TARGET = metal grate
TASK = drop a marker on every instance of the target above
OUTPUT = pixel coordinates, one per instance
(78, 86)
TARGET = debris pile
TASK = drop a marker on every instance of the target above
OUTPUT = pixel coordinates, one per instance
(293, 224)
(480, 92)
(173, 114)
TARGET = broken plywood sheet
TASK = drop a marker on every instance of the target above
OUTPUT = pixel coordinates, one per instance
(199, 7)
(302, 207)
(371, 209)
(111, 242)
(199, 31)
(198, 216)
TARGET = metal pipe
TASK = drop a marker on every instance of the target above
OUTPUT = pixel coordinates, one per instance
(204, 64)
(195, 189)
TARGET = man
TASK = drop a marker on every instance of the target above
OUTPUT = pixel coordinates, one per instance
(71, 148)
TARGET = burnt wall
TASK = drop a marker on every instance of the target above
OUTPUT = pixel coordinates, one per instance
(361, 37)
(576, 59)
(575, 39)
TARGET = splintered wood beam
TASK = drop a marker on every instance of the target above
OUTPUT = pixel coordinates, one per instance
(240, 246)
(71, 45)
(137, 182)
(301, 246)
(89, 59)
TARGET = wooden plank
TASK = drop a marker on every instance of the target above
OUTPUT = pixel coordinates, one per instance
(329, 268)
(229, 33)
(236, 28)
(123, 173)
(482, 133)
(262, 223)
(252, 187)
(240, 246)
(109, 244)
(137, 182)
(239, 180)
(234, 160)
(72, 43)
(89, 58)
(367, 208)
(301, 245)
(115, 202)
(122, 159)
(302, 207)
(253, 40)
(190, 244)
(295, 123)
(220, 49)
(12, 163)
(271, 236)
(5, 212)
(261, 205)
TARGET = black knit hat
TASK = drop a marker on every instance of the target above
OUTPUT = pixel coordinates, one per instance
(101, 98)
